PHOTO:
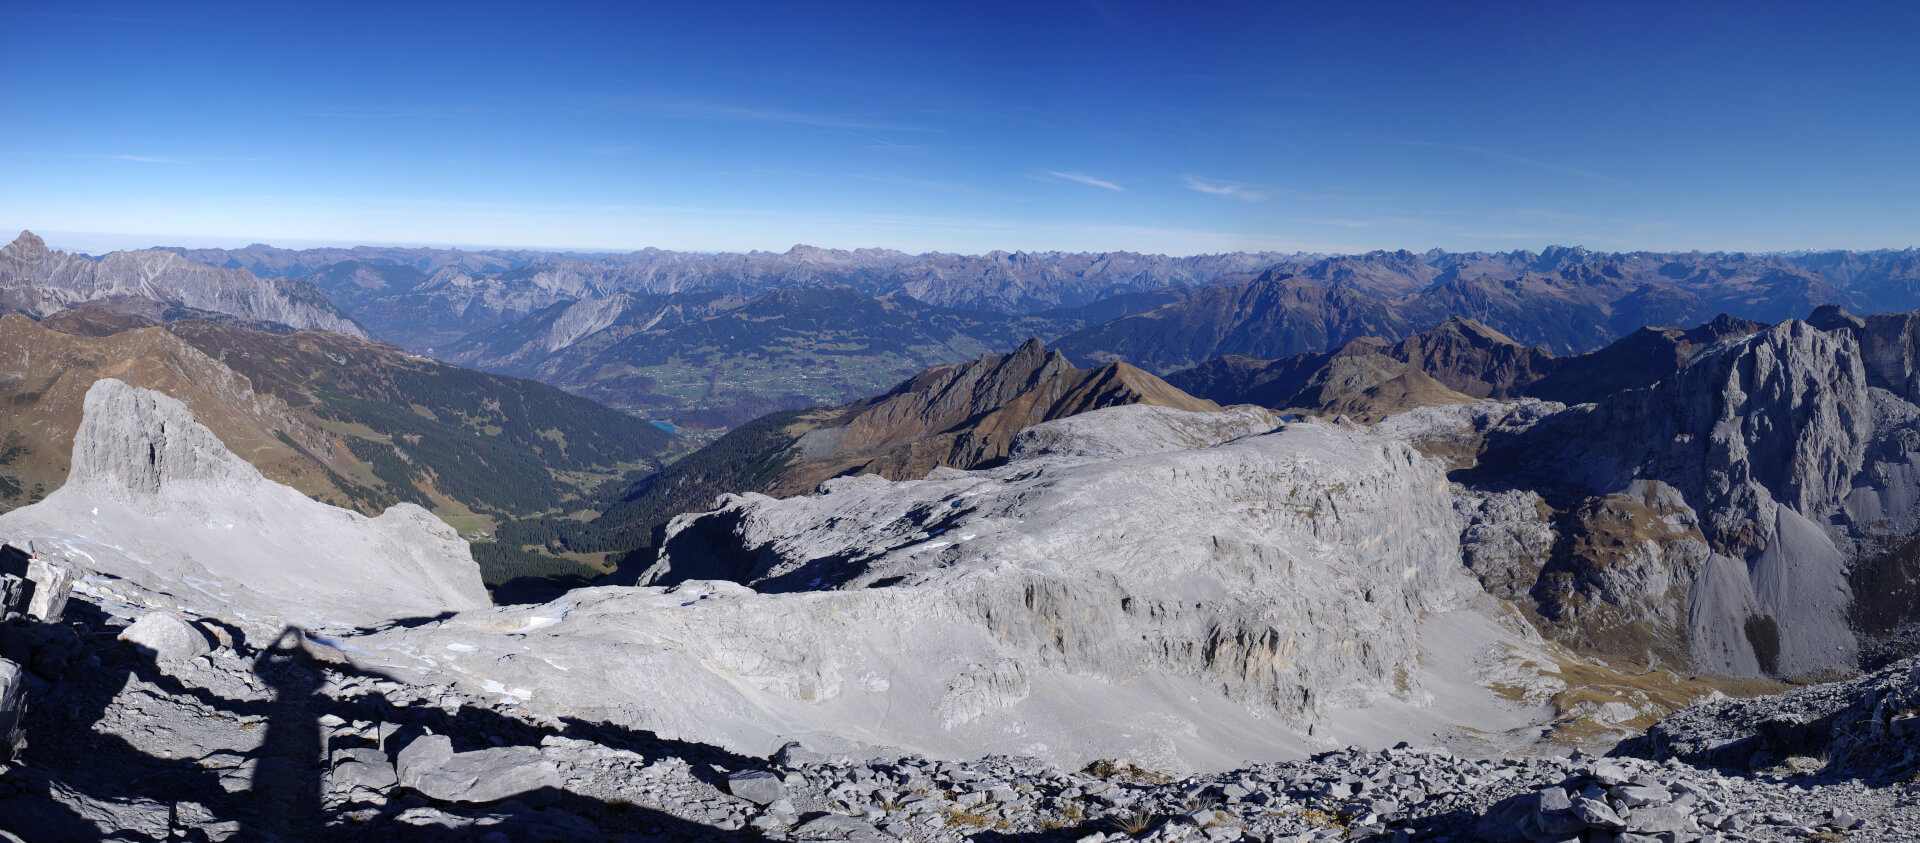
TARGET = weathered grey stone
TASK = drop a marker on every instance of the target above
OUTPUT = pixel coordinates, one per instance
(1554, 799)
(1634, 796)
(837, 827)
(796, 754)
(757, 786)
(363, 767)
(166, 637)
(1654, 819)
(1596, 813)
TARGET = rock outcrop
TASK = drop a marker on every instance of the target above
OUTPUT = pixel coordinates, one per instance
(159, 284)
(1867, 727)
(154, 497)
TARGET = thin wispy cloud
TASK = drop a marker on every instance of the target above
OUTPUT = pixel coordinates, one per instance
(1086, 180)
(1237, 191)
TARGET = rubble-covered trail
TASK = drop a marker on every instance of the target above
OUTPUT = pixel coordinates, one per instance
(211, 735)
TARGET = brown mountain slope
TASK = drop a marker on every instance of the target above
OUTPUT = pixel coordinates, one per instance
(965, 416)
(44, 376)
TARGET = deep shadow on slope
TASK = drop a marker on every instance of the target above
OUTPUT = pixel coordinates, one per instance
(71, 749)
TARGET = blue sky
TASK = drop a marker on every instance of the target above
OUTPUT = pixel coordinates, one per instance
(966, 127)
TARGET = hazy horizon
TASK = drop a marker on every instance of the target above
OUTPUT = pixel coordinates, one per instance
(99, 243)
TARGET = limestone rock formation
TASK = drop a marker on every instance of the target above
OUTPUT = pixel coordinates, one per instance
(155, 498)
(1762, 437)
(1056, 605)
(962, 416)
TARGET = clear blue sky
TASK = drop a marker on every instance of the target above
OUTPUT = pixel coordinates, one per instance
(965, 126)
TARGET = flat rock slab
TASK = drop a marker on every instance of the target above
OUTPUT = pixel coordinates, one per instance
(430, 766)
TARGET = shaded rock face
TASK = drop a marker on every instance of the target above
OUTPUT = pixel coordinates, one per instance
(1712, 514)
(40, 281)
(154, 497)
(1616, 583)
(13, 705)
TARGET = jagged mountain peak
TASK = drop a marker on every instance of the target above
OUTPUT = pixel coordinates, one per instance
(27, 248)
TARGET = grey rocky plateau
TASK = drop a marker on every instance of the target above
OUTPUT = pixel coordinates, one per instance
(39, 282)
(1293, 586)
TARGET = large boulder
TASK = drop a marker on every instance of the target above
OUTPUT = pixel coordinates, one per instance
(166, 636)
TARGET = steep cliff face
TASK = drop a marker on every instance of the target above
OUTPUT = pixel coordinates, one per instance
(40, 281)
(155, 498)
(1754, 450)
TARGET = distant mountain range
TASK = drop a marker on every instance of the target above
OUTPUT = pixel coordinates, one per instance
(40, 282)
(712, 340)
(1568, 300)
